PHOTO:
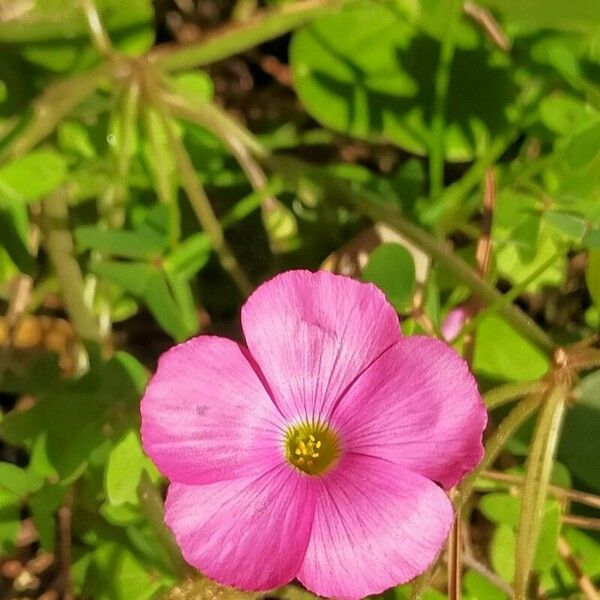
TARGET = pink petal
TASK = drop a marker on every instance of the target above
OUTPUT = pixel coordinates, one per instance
(245, 533)
(206, 416)
(312, 334)
(376, 525)
(419, 407)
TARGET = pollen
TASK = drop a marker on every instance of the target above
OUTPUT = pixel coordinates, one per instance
(312, 448)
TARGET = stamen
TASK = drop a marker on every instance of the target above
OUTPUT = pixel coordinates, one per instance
(312, 448)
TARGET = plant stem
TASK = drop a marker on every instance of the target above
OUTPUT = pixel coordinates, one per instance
(98, 33)
(152, 506)
(201, 204)
(508, 298)
(51, 107)
(509, 392)
(511, 423)
(437, 150)
(163, 168)
(266, 25)
(560, 492)
(535, 487)
(217, 121)
(59, 245)
(583, 581)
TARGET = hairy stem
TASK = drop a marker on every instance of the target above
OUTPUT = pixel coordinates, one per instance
(511, 423)
(59, 246)
(201, 204)
(509, 392)
(535, 487)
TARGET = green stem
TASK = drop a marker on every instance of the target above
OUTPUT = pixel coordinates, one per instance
(503, 394)
(508, 298)
(162, 169)
(201, 204)
(437, 150)
(217, 121)
(59, 246)
(238, 38)
(152, 506)
(535, 487)
(98, 33)
(51, 107)
(511, 423)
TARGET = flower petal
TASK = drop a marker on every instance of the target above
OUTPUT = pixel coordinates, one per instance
(251, 534)
(206, 416)
(376, 526)
(312, 334)
(417, 406)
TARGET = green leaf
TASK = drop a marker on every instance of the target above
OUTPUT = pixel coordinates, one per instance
(580, 444)
(189, 256)
(10, 521)
(130, 244)
(131, 276)
(545, 552)
(14, 231)
(578, 15)
(44, 505)
(33, 176)
(195, 86)
(478, 587)
(367, 71)
(74, 138)
(500, 508)
(572, 226)
(18, 481)
(124, 468)
(54, 34)
(71, 417)
(161, 303)
(392, 269)
(564, 114)
(118, 574)
(502, 353)
(502, 551)
(592, 275)
(584, 148)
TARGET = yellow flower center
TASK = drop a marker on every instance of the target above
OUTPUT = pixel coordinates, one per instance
(311, 447)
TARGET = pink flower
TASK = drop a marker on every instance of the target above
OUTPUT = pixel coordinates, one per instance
(316, 451)
(455, 320)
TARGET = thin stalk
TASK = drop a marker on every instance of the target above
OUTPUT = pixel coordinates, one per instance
(51, 107)
(592, 523)
(162, 168)
(585, 584)
(216, 120)
(508, 298)
(58, 242)
(509, 392)
(535, 487)
(202, 207)
(437, 150)
(511, 423)
(98, 33)
(231, 40)
(151, 504)
(559, 492)
(125, 130)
